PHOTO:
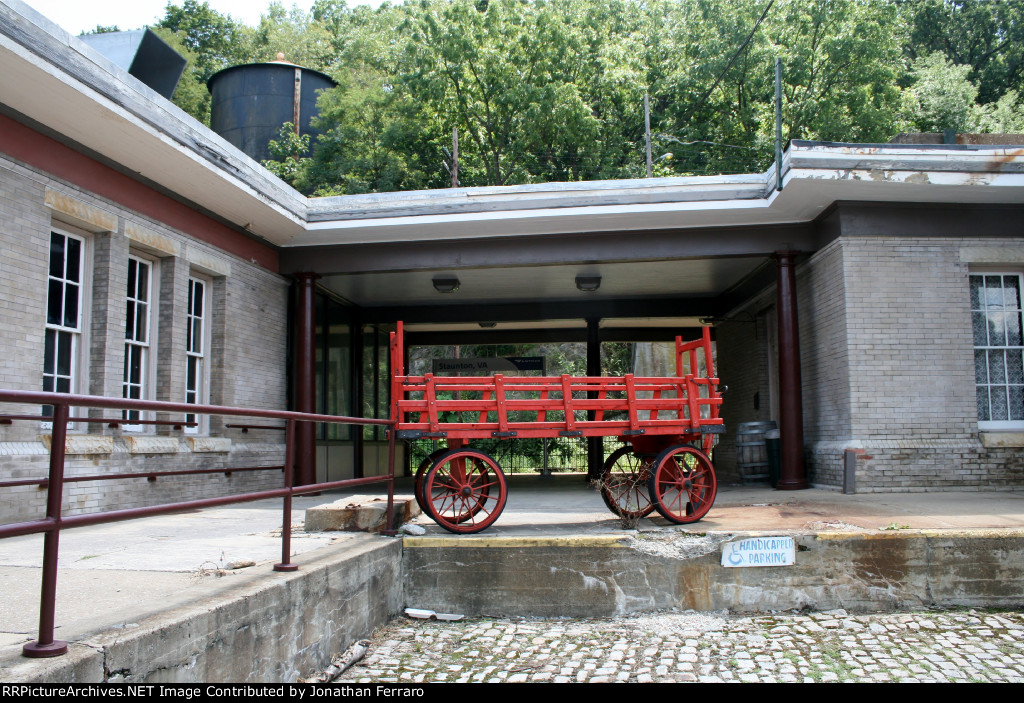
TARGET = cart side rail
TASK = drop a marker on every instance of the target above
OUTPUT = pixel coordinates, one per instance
(545, 406)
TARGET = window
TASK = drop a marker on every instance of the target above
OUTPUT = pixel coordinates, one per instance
(137, 334)
(64, 302)
(197, 347)
(998, 350)
(376, 374)
(333, 366)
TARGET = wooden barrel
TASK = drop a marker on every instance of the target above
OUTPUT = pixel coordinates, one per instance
(751, 455)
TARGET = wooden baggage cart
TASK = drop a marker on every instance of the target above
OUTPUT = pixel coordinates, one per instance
(667, 424)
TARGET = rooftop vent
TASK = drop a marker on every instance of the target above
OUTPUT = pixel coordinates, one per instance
(144, 55)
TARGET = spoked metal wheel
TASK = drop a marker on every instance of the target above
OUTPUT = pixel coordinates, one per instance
(464, 491)
(682, 484)
(421, 472)
(624, 483)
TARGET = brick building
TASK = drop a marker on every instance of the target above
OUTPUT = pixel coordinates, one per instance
(875, 298)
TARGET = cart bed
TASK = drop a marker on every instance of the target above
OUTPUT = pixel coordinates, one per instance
(557, 406)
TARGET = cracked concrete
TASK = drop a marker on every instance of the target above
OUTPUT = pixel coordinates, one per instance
(123, 617)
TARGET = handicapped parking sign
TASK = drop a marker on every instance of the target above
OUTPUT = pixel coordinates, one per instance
(759, 551)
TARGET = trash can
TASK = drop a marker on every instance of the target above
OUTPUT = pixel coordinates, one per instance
(750, 451)
(773, 448)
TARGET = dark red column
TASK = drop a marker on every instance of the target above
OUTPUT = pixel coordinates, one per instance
(595, 445)
(793, 473)
(305, 377)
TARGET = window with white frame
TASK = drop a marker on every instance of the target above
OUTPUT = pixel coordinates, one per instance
(197, 347)
(998, 349)
(137, 334)
(64, 301)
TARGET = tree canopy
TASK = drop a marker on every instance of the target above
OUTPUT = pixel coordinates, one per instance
(552, 90)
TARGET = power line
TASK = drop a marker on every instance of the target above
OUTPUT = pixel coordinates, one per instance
(732, 60)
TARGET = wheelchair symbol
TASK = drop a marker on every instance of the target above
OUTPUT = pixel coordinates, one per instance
(735, 558)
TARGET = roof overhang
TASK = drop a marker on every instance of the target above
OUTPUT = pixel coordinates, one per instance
(62, 86)
(86, 101)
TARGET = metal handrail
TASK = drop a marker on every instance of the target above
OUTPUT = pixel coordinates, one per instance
(148, 475)
(54, 522)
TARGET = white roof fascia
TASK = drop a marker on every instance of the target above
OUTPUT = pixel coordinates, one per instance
(525, 222)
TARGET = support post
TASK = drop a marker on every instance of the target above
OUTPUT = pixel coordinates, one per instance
(595, 448)
(778, 123)
(46, 646)
(647, 134)
(305, 378)
(793, 474)
(358, 364)
(286, 519)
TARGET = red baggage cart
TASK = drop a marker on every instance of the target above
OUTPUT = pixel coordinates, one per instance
(667, 425)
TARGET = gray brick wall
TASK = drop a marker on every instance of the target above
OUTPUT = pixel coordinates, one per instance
(912, 367)
(887, 367)
(24, 255)
(248, 326)
(825, 361)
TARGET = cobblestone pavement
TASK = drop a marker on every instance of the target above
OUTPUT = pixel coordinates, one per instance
(968, 645)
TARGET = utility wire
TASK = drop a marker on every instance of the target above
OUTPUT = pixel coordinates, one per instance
(732, 60)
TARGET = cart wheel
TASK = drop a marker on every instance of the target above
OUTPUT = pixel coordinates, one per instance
(682, 485)
(624, 483)
(417, 486)
(464, 491)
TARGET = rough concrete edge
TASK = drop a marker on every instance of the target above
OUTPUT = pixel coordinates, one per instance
(927, 533)
(87, 658)
(82, 664)
(516, 541)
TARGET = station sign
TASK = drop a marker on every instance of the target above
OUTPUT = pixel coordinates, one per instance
(486, 366)
(759, 551)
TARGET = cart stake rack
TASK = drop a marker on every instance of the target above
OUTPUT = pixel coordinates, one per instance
(667, 425)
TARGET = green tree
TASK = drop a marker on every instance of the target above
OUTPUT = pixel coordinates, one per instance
(376, 138)
(1006, 115)
(504, 75)
(289, 153)
(841, 66)
(300, 37)
(213, 41)
(986, 35)
(945, 97)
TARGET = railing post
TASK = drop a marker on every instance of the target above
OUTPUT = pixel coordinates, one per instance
(289, 481)
(46, 646)
(390, 528)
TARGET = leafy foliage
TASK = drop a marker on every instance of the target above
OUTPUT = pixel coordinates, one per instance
(552, 90)
(288, 152)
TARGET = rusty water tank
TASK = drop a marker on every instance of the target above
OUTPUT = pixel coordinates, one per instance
(252, 101)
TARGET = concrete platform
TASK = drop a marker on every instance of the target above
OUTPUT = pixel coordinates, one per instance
(143, 574)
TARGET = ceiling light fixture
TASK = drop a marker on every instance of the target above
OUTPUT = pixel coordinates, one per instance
(588, 284)
(488, 325)
(446, 284)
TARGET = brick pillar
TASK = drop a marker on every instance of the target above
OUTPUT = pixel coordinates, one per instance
(305, 378)
(793, 473)
(106, 328)
(170, 346)
(222, 383)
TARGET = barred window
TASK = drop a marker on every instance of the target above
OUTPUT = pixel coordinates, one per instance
(998, 349)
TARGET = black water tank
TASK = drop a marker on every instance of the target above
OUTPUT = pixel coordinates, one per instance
(252, 101)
